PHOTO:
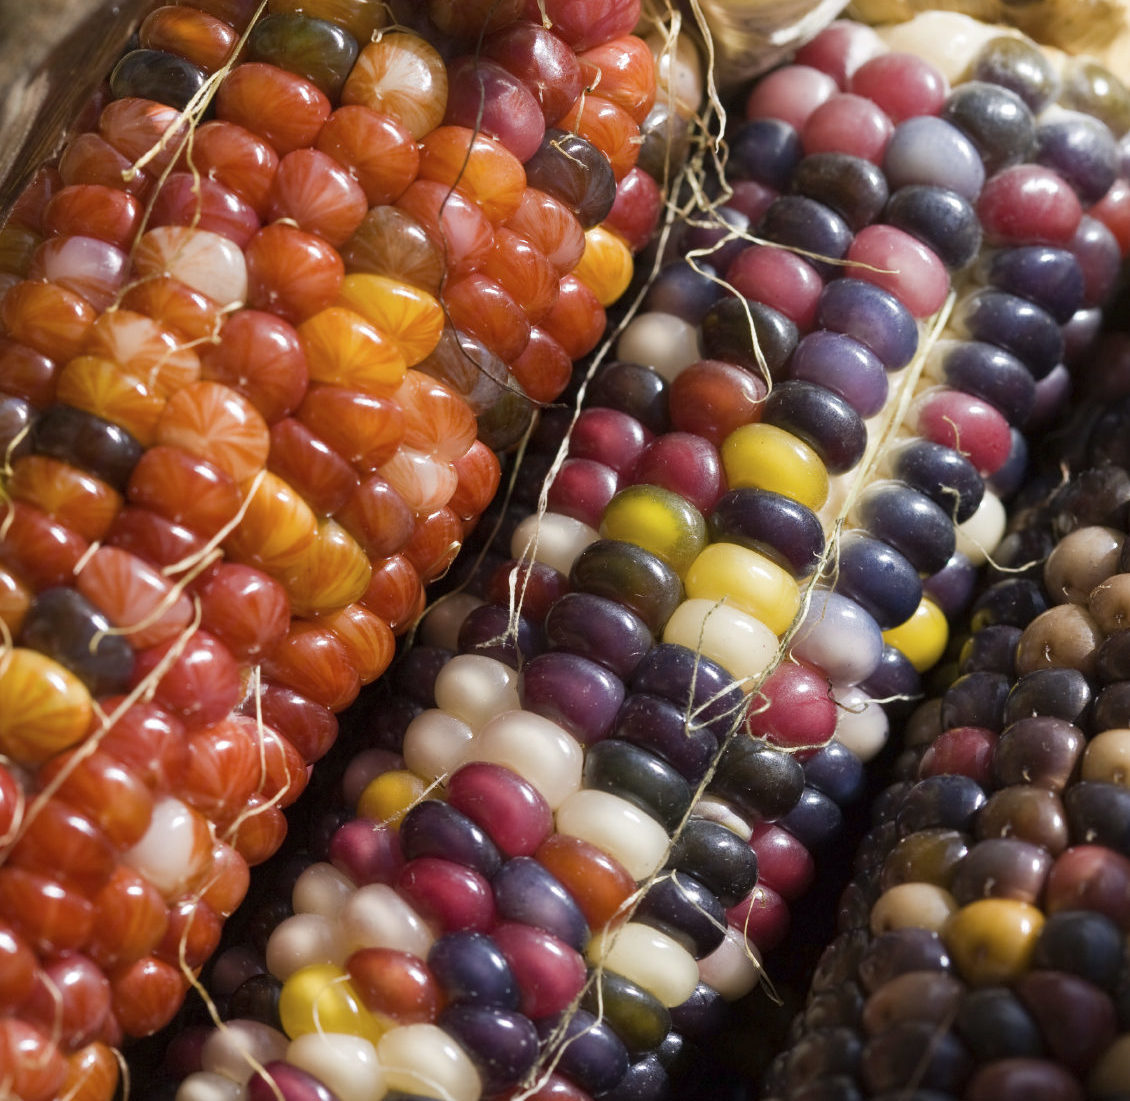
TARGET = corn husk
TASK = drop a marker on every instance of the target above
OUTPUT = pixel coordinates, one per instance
(751, 36)
(1100, 28)
(52, 55)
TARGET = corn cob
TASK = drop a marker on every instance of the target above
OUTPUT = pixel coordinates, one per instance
(981, 949)
(655, 536)
(240, 434)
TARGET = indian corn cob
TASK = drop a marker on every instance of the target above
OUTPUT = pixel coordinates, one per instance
(576, 836)
(262, 329)
(981, 946)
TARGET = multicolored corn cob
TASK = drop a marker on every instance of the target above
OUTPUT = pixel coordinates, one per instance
(262, 330)
(981, 950)
(577, 833)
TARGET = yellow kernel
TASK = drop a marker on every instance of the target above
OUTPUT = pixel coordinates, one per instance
(320, 998)
(343, 349)
(658, 520)
(923, 637)
(390, 796)
(992, 940)
(747, 580)
(44, 707)
(411, 318)
(762, 456)
(605, 266)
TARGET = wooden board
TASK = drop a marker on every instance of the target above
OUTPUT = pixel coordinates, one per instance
(53, 54)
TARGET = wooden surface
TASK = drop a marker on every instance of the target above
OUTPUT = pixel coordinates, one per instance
(53, 54)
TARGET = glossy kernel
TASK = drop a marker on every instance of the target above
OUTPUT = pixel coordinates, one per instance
(184, 489)
(763, 456)
(277, 525)
(281, 107)
(402, 76)
(992, 939)
(44, 709)
(292, 273)
(216, 423)
(320, 998)
(318, 194)
(658, 520)
(364, 429)
(606, 265)
(46, 317)
(312, 660)
(389, 797)
(104, 388)
(411, 318)
(332, 572)
(746, 579)
(376, 149)
(481, 167)
(84, 504)
(201, 38)
(205, 262)
(344, 349)
(361, 18)
(304, 43)
(258, 355)
(142, 347)
(923, 637)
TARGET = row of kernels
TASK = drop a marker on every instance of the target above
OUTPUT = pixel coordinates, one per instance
(337, 691)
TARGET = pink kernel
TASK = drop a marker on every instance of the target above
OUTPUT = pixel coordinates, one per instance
(201, 686)
(901, 265)
(840, 48)
(902, 84)
(635, 213)
(763, 916)
(962, 751)
(550, 974)
(1113, 210)
(783, 863)
(686, 464)
(367, 851)
(585, 25)
(790, 94)
(610, 437)
(582, 489)
(794, 709)
(968, 425)
(511, 810)
(778, 278)
(450, 896)
(1028, 205)
(751, 198)
(848, 124)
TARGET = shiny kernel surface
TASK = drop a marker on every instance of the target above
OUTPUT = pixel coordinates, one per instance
(746, 579)
(390, 796)
(992, 939)
(320, 998)
(43, 708)
(763, 456)
(923, 637)
(658, 520)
